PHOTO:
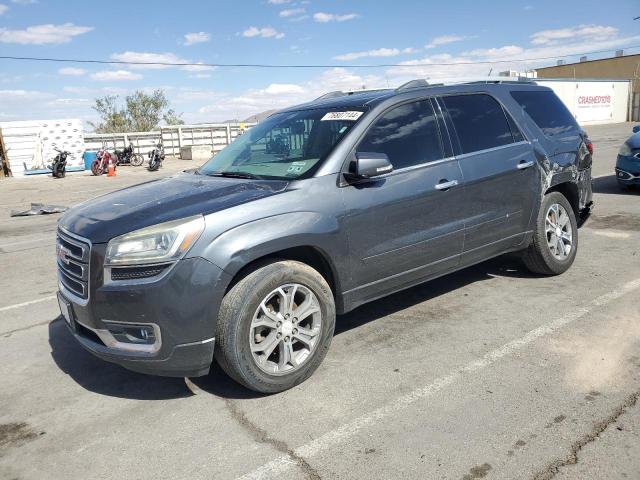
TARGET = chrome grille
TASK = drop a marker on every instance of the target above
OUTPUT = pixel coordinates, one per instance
(73, 256)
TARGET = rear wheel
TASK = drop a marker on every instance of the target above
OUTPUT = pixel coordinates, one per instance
(555, 240)
(275, 326)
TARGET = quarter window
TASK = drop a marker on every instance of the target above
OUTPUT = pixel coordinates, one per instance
(408, 134)
(479, 122)
(547, 111)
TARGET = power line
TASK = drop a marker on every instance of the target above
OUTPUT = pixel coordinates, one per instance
(268, 65)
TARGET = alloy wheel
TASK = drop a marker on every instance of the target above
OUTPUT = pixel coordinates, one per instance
(285, 329)
(559, 231)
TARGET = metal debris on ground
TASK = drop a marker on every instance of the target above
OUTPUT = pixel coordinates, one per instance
(39, 209)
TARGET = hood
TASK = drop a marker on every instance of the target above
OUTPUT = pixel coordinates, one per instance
(634, 140)
(180, 196)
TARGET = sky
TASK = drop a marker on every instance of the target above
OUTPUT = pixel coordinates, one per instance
(418, 36)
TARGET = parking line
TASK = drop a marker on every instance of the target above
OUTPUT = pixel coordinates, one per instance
(26, 304)
(334, 437)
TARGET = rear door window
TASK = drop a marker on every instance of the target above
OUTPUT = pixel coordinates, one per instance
(479, 122)
(408, 134)
(547, 111)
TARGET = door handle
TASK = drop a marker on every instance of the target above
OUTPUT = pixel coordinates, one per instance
(524, 164)
(446, 185)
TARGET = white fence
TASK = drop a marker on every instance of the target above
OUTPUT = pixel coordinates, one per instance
(213, 135)
(31, 144)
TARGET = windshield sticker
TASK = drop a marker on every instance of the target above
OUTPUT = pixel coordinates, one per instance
(299, 164)
(295, 169)
(352, 115)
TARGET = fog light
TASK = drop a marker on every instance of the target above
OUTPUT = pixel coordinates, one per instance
(144, 338)
(127, 333)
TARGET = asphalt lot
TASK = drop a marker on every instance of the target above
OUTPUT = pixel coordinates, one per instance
(487, 373)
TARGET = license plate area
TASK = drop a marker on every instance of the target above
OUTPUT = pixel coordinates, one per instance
(67, 311)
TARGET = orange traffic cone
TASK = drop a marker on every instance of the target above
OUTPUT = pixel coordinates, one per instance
(111, 168)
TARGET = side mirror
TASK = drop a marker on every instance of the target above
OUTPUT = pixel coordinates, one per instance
(371, 164)
(636, 129)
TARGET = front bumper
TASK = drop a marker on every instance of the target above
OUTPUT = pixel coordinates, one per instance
(180, 307)
(628, 170)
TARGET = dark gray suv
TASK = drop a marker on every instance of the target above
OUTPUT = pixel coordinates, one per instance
(316, 210)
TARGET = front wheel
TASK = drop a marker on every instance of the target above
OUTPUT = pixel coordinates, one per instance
(137, 160)
(96, 168)
(555, 239)
(275, 326)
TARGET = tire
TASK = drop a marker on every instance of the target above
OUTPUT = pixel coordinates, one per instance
(96, 168)
(153, 165)
(236, 334)
(137, 160)
(540, 256)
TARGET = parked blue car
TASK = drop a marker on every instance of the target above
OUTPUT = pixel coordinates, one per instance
(628, 164)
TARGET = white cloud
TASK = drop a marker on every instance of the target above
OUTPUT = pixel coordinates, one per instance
(283, 89)
(24, 95)
(200, 76)
(593, 32)
(196, 37)
(24, 2)
(444, 40)
(322, 17)
(379, 52)
(279, 2)
(276, 96)
(71, 71)
(115, 75)
(198, 67)
(264, 32)
(43, 34)
(508, 51)
(500, 58)
(3, 8)
(290, 12)
(154, 61)
(159, 61)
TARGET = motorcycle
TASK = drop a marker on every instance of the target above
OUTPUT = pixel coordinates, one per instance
(59, 166)
(101, 163)
(128, 157)
(156, 156)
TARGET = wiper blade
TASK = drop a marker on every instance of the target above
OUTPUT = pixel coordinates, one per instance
(234, 175)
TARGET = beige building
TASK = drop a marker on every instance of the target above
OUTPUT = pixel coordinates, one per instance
(625, 67)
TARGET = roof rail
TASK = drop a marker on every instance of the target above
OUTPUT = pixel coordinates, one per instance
(422, 83)
(418, 83)
(340, 93)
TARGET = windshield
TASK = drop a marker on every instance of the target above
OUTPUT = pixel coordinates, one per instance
(287, 145)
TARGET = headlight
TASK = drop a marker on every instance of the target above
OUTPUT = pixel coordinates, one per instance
(625, 150)
(164, 242)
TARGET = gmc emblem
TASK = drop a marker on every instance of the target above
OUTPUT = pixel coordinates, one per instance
(63, 254)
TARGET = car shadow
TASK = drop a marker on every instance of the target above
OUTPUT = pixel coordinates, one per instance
(219, 384)
(105, 378)
(608, 185)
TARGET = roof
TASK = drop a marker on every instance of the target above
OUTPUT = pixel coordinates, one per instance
(370, 98)
(623, 57)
